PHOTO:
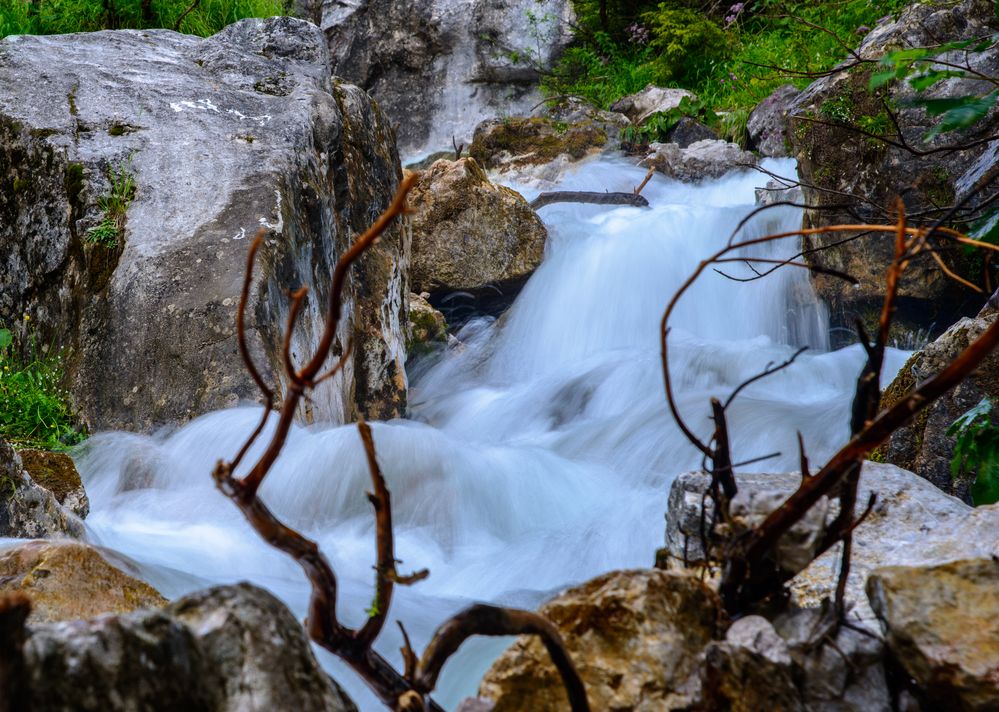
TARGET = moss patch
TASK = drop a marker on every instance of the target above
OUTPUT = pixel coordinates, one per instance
(535, 140)
(54, 471)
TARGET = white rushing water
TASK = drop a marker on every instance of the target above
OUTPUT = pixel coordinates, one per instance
(538, 455)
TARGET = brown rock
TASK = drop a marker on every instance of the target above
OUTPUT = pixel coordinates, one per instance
(634, 637)
(943, 627)
(56, 472)
(468, 232)
(518, 142)
(69, 581)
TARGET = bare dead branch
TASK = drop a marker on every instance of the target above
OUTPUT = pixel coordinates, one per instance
(648, 176)
(491, 620)
(591, 197)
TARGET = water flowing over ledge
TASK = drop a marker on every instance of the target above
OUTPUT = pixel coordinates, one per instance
(539, 452)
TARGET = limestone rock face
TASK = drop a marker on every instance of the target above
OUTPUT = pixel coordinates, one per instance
(767, 124)
(634, 637)
(227, 649)
(836, 161)
(56, 472)
(923, 445)
(220, 137)
(27, 510)
(516, 143)
(912, 523)
(70, 580)
(942, 624)
(469, 233)
(703, 159)
(640, 106)
(440, 67)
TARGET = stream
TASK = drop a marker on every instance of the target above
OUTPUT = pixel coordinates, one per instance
(539, 453)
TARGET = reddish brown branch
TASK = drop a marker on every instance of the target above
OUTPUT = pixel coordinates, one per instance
(492, 620)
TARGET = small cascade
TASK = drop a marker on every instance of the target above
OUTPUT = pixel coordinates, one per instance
(529, 444)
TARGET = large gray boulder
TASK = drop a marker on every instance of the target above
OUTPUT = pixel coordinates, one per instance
(440, 67)
(709, 158)
(227, 649)
(849, 176)
(912, 523)
(28, 510)
(767, 124)
(221, 137)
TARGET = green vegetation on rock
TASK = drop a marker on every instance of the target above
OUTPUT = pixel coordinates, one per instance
(34, 410)
(977, 450)
(732, 57)
(52, 17)
(115, 207)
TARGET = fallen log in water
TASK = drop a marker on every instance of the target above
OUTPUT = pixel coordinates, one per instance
(583, 196)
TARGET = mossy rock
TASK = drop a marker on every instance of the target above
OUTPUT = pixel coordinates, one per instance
(56, 472)
(534, 140)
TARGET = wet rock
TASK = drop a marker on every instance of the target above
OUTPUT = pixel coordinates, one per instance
(516, 143)
(428, 327)
(27, 510)
(836, 161)
(640, 106)
(688, 131)
(942, 625)
(767, 124)
(71, 580)
(776, 192)
(221, 136)
(923, 445)
(469, 233)
(740, 679)
(440, 67)
(703, 159)
(227, 649)
(56, 472)
(573, 110)
(634, 637)
(912, 523)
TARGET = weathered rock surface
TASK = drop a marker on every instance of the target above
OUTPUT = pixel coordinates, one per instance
(222, 136)
(56, 472)
(688, 131)
(469, 233)
(776, 191)
(923, 445)
(634, 637)
(703, 159)
(440, 67)
(27, 510)
(833, 156)
(640, 106)
(71, 580)
(942, 624)
(912, 523)
(516, 143)
(428, 327)
(227, 649)
(767, 124)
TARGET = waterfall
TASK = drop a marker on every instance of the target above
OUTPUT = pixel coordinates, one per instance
(539, 452)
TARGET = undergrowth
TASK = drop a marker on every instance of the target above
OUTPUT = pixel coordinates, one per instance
(34, 409)
(114, 205)
(732, 58)
(31, 17)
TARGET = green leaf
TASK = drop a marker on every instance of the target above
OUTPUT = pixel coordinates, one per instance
(986, 229)
(879, 79)
(6, 339)
(985, 490)
(966, 111)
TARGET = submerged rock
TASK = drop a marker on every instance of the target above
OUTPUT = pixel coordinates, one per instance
(942, 625)
(703, 159)
(71, 580)
(27, 510)
(201, 143)
(227, 649)
(471, 234)
(634, 637)
(912, 523)
(56, 472)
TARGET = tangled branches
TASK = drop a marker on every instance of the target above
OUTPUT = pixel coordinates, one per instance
(407, 691)
(752, 574)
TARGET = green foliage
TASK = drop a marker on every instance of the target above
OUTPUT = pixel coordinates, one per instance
(921, 67)
(977, 450)
(33, 406)
(838, 108)
(658, 125)
(31, 17)
(115, 206)
(684, 42)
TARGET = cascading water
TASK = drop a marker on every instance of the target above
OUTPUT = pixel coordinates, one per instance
(539, 453)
